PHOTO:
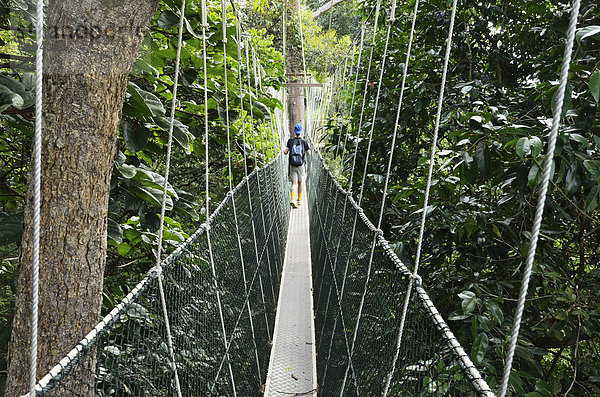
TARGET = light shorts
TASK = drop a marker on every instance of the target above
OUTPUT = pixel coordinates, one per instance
(296, 174)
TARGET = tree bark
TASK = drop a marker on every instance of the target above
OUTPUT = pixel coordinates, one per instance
(295, 74)
(89, 50)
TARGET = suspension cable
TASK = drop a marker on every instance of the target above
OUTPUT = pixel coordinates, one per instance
(37, 177)
(241, 85)
(164, 200)
(396, 124)
(207, 202)
(541, 195)
(378, 231)
(230, 175)
(254, 136)
(342, 289)
(428, 186)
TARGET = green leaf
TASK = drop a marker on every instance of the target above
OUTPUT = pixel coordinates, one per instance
(486, 323)
(150, 195)
(592, 200)
(190, 29)
(458, 315)
(534, 177)
(168, 19)
(595, 86)
(579, 139)
(586, 32)
(181, 133)
(495, 311)
(479, 349)
(144, 102)
(593, 167)
(123, 249)
(11, 228)
(135, 139)
(21, 97)
(264, 110)
(523, 147)
(8, 97)
(189, 76)
(114, 231)
(127, 171)
(234, 115)
(469, 301)
(466, 295)
(483, 158)
(516, 382)
(536, 146)
(573, 179)
(154, 180)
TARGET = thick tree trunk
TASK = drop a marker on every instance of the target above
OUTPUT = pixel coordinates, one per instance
(295, 75)
(89, 50)
(295, 96)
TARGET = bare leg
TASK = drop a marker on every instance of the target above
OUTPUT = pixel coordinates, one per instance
(292, 189)
(300, 190)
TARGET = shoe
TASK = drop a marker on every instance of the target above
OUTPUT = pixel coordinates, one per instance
(293, 204)
(298, 203)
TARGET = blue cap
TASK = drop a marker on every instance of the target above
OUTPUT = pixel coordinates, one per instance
(298, 129)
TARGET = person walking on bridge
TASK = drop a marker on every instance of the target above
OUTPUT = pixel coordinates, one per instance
(297, 148)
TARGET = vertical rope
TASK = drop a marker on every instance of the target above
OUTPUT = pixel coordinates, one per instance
(341, 291)
(164, 201)
(428, 186)
(378, 231)
(564, 73)
(230, 174)
(396, 124)
(254, 134)
(207, 203)
(37, 176)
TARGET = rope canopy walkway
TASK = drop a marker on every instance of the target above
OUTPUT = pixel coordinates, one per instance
(260, 301)
(127, 353)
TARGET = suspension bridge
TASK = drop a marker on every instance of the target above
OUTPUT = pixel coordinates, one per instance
(263, 299)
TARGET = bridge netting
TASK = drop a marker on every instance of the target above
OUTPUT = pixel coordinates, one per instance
(357, 360)
(127, 354)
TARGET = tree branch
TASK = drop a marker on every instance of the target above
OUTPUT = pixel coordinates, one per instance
(326, 7)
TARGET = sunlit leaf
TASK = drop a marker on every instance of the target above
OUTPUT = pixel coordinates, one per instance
(595, 86)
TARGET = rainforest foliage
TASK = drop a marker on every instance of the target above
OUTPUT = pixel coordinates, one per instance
(502, 81)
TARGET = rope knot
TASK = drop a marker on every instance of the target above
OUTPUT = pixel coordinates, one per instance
(418, 280)
(379, 232)
(156, 270)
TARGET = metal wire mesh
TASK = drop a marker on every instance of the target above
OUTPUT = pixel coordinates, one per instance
(431, 361)
(127, 354)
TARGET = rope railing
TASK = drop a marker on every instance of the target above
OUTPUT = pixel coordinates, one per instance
(430, 361)
(127, 352)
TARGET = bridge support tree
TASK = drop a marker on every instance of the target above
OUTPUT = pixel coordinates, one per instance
(89, 50)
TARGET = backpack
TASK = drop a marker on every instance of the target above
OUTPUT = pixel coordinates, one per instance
(297, 152)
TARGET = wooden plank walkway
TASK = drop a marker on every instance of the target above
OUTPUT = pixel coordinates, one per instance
(292, 368)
